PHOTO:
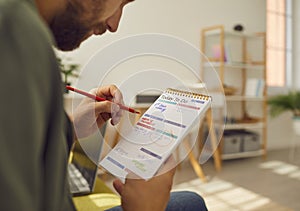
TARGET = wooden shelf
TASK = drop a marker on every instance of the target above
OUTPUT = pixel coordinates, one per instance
(243, 98)
(237, 57)
(216, 32)
(257, 125)
(242, 155)
(235, 65)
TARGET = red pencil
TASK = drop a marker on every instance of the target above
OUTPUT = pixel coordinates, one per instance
(100, 99)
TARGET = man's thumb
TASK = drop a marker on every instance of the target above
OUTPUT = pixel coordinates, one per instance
(118, 185)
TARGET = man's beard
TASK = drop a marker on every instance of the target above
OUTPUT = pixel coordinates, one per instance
(68, 32)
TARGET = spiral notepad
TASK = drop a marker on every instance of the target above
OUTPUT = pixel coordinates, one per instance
(156, 134)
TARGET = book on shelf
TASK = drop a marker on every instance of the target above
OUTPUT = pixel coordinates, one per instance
(254, 87)
(217, 51)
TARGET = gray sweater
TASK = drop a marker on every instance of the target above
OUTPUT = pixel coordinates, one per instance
(33, 125)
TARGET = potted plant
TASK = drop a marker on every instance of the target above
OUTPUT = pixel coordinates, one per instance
(68, 70)
(288, 102)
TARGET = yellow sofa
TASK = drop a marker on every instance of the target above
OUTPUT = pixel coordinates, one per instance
(101, 199)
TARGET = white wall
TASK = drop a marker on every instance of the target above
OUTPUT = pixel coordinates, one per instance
(280, 132)
(296, 44)
(184, 19)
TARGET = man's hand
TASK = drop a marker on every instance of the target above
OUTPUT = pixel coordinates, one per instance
(152, 195)
(91, 115)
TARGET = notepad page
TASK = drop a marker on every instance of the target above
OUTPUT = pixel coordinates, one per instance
(156, 134)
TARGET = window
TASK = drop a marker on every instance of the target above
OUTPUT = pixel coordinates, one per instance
(279, 43)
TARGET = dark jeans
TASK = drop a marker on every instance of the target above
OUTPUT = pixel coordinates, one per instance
(181, 201)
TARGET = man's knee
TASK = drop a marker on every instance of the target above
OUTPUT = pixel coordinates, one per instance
(186, 200)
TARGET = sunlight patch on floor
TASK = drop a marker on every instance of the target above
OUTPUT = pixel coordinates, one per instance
(225, 196)
(282, 168)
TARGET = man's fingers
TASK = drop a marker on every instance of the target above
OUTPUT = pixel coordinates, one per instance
(110, 92)
(106, 107)
(118, 185)
(110, 107)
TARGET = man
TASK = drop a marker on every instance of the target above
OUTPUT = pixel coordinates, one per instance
(35, 133)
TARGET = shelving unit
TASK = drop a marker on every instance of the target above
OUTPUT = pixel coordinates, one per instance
(238, 59)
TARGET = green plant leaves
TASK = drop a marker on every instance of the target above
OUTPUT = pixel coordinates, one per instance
(281, 103)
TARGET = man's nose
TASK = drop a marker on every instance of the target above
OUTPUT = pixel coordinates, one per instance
(113, 21)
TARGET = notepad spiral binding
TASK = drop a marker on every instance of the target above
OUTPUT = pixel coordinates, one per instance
(187, 94)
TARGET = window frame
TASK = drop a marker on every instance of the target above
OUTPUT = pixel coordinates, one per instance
(283, 9)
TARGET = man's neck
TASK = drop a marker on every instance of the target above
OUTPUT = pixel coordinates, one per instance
(48, 9)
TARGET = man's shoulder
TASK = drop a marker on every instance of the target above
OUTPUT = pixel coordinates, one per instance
(17, 11)
(21, 18)
(8, 5)
(27, 42)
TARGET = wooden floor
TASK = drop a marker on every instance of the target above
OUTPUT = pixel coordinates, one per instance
(248, 184)
(245, 184)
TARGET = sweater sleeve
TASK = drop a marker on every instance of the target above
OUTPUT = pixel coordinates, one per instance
(69, 132)
(34, 147)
